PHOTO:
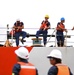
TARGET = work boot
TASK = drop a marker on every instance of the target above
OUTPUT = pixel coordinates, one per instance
(44, 44)
(62, 44)
(58, 43)
(22, 41)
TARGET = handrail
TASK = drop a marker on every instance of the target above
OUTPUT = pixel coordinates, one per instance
(34, 35)
(26, 28)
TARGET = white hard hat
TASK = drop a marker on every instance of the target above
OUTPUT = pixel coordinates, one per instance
(55, 53)
(22, 52)
(18, 20)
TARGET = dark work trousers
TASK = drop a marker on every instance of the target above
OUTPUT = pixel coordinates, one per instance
(60, 38)
(44, 32)
(18, 34)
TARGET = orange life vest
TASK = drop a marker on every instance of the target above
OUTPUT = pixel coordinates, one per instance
(27, 69)
(62, 69)
(18, 25)
(43, 25)
(62, 26)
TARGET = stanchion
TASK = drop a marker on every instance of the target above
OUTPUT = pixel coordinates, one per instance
(50, 37)
(7, 31)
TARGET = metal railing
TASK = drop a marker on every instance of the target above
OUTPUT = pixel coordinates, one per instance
(53, 34)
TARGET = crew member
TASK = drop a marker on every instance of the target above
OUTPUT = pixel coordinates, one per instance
(59, 33)
(45, 25)
(57, 68)
(18, 26)
(23, 67)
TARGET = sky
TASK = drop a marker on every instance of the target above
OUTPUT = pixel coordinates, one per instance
(32, 12)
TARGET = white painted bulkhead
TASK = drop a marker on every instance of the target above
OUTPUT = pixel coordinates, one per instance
(38, 56)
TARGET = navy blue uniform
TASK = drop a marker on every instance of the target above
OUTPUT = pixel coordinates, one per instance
(44, 32)
(17, 68)
(19, 32)
(60, 36)
(54, 70)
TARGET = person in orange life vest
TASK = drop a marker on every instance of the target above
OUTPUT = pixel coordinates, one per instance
(18, 26)
(60, 29)
(23, 67)
(57, 68)
(45, 25)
